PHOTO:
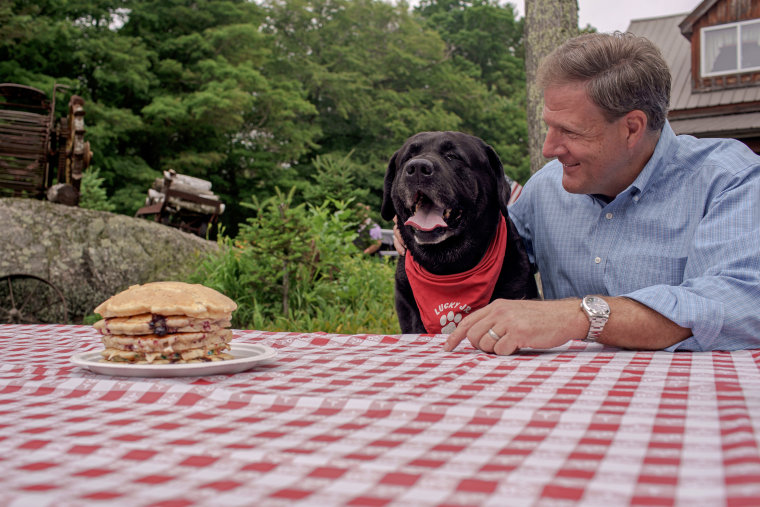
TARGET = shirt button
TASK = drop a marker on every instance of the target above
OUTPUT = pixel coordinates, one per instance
(608, 216)
(598, 260)
(636, 198)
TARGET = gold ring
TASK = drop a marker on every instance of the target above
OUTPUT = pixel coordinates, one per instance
(493, 335)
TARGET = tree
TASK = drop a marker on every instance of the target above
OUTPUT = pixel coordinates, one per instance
(219, 109)
(372, 72)
(548, 23)
(255, 95)
(168, 85)
(483, 35)
(485, 42)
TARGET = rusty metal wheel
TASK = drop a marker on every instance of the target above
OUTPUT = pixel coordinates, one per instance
(29, 299)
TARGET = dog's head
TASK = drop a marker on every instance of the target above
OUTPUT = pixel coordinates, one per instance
(447, 190)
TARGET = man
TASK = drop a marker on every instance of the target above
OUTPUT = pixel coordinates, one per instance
(665, 229)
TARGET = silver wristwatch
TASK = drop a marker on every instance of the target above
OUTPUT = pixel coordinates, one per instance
(598, 312)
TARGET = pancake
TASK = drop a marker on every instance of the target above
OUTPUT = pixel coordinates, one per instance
(148, 323)
(166, 322)
(170, 348)
(189, 356)
(179, 342)
(167, 298)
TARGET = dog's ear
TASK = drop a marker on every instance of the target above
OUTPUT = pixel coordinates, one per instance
(388, 211)
(503, 189)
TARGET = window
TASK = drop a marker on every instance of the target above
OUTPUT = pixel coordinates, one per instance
(722, 55)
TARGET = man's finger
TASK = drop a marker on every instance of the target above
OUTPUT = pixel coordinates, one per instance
(455, 338)
(460, 333)
(452, 342)
(505, 346)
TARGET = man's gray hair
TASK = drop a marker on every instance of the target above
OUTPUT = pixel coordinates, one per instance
(622, 73)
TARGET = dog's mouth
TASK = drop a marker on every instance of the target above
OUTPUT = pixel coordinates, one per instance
(430, 220)
(427, 215)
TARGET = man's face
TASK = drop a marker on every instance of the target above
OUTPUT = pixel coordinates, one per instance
(593, 151)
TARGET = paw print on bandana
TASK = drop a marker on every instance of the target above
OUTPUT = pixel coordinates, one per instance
(449, 322)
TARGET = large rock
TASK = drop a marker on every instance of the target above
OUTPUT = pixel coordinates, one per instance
(91, 255)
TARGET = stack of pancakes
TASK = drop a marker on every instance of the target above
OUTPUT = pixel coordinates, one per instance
(166, 322)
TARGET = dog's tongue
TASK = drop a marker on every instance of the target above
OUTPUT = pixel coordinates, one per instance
(427, 218)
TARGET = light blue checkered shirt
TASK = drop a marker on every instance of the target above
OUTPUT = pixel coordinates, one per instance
(683, 239)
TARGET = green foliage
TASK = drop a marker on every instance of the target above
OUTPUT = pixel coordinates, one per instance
(251, 95)
(378, 73)
(334, 179)
(91, 319)
(484, 40)
(294, 267)
(314, 95)
(92, 194)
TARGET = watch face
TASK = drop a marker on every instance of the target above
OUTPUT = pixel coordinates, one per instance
(597, 306)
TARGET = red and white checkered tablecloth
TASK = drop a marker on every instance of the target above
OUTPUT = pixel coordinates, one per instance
(380, 420)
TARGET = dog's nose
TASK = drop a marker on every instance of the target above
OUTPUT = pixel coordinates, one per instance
(424, 166)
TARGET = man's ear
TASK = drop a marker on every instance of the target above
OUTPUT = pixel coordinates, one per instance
(387, 210)
(635, 123)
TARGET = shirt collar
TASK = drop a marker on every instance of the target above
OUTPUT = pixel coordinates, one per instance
(662, 153)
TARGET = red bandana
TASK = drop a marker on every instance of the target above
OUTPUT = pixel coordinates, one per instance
(444, 300)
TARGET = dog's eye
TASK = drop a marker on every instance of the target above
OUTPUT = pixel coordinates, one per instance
(451, 156)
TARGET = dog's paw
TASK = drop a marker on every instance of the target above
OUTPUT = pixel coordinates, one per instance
(449, 322)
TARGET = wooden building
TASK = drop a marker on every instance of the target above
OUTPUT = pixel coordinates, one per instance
(714, 57)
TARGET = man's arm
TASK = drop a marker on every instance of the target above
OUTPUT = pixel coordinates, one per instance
(547, 324)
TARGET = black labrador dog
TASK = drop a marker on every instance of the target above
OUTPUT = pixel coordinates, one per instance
(449, 194)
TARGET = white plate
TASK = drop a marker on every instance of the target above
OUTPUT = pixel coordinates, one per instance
(246, 356)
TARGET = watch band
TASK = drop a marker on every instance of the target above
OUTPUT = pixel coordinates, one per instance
(595, 330)
(598, 311)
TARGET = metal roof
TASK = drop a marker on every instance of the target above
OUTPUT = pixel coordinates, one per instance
(717, 126)
(687, 25)
(676, 49)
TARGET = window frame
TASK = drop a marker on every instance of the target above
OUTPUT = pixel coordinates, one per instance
(737, 26)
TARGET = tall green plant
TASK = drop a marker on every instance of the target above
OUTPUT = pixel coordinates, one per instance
(294, 267)
(92, 194)
(334, 178)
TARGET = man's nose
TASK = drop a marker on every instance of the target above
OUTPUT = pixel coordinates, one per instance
(552, 144)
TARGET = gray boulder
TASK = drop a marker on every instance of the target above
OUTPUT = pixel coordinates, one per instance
(91, 255)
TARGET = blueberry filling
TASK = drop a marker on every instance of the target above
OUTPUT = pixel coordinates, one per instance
(158, 325)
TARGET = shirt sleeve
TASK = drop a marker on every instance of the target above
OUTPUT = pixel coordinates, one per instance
(720, 293)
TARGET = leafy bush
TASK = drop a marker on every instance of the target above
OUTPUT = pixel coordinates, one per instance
(92, 193)
(334, 178)
(294, 268)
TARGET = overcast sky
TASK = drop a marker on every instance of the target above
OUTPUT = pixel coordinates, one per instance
(611, 15)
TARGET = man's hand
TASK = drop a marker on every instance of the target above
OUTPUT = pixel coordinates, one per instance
(547, 324)
(520, 323)
(398, 242)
